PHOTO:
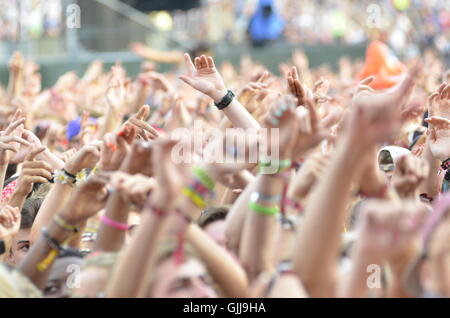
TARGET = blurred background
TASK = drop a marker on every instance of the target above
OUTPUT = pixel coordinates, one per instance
(63, 35)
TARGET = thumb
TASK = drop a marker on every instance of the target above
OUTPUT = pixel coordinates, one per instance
(187, 80)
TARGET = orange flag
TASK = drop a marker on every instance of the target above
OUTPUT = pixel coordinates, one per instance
(383, 64)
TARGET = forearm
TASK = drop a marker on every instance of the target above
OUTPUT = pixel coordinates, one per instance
(239, 116)
(14, 86)
(111, 122)
(225, 271)
(18, 198)
(57, 197)
(40, 251)
(234, 222)
(319, 237)
(257, 238)
(431, 184)
(371, 180)
(137, 258)
(111, 239)
(355, 283)
(51, 159)
(141, 97)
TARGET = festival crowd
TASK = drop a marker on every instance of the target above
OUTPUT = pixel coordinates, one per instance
(347, 198)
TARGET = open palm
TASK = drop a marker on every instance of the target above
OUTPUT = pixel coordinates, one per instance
(204, 77)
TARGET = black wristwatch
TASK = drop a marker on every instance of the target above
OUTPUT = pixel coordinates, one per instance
(226, 100)
(2, 247)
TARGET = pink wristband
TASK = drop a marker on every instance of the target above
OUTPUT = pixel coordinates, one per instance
(117, 225)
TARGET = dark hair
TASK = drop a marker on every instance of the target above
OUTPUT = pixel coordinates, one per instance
(212, 214)
(199, 49)
(10, 171)
(29, 212)
(70, 252)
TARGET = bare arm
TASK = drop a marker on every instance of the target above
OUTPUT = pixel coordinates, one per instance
(225, 271)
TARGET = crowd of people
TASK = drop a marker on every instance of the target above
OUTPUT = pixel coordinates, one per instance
(348, 198)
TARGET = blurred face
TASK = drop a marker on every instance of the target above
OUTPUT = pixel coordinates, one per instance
(62, 277)
(93, 282)
(216, 230)
(19, 247)
(186, 280)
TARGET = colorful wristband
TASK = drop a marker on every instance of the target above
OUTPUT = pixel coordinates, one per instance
(263, 209)
(271, 167)
(194, 196)
(258, 196)
(62, 223)
(203, 177)
(114, 224)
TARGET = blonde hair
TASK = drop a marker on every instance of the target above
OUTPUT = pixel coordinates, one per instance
(15, 285)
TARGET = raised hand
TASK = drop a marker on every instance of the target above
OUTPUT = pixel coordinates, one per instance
(409, 173)
(8, 141)
(88, 199)
(86, 157)
(439, 122)
(439, 137)
(204, 77)
(157, 80)
(115, 147)
(389, 102)
(297, 89)
(283, 116)
(116, 92)
(439, 102)
(9, 221)
(254, 92)
(143, 129)
(169, 177)
(376, 116)
(33, 172)
(139, 159)
(23, 150)
(17, 62)
(310, 172)
(387, 228)
(133, 188)
(311, 130)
